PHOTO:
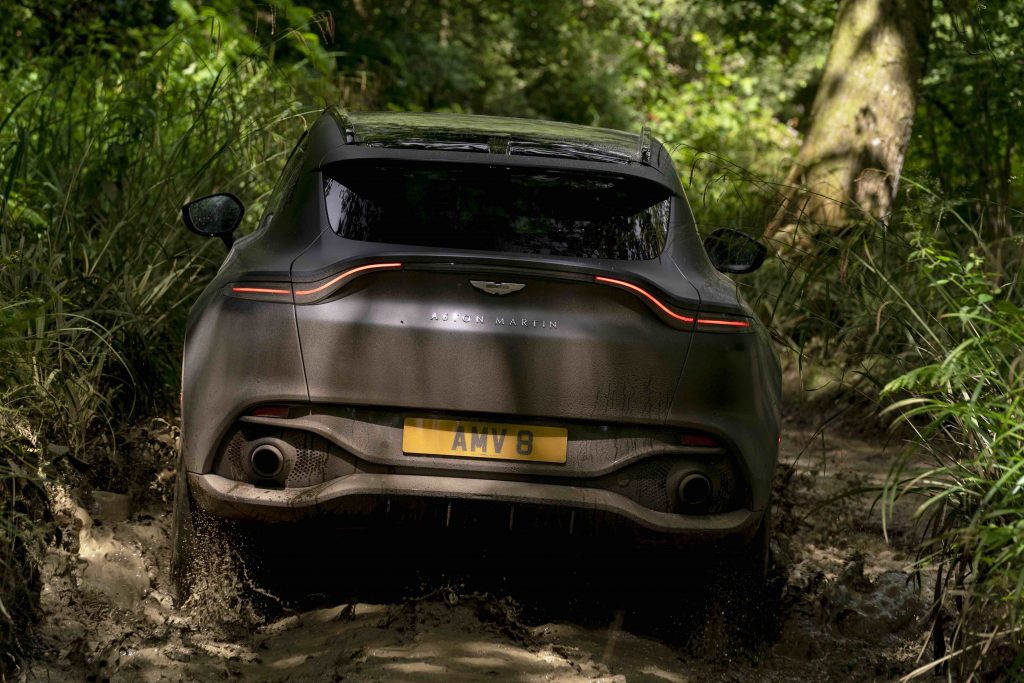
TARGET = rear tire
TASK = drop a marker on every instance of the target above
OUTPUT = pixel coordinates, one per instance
(182, 536)
(748, 561)
(217, 560)
(740, 590)
(753, 559)
(200, 542)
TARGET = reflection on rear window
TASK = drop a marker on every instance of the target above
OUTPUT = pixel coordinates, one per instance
(547, 212)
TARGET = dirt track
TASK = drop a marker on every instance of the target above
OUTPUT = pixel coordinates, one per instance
(845, 609)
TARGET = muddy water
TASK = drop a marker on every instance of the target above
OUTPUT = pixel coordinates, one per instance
(843, 606)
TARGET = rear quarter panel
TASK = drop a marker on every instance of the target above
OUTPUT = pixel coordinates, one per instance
(237, 353)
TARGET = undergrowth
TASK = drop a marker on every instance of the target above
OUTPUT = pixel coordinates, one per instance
(921, 320)
(97, 155)
(965, 402)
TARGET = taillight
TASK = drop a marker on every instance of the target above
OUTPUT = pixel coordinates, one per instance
(269, 411)
(698, 440)
(309, 292)
(723, 322)
(261, 290)
(646, 295)
(304, 293)
(709, 323)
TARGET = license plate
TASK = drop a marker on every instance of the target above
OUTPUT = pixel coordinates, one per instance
(467, 439)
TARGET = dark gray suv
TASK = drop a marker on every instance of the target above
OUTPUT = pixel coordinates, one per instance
(465, 311)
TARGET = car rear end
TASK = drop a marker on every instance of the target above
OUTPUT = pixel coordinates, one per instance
(484, 334)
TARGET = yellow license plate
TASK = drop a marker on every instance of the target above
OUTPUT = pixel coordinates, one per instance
(467, 439)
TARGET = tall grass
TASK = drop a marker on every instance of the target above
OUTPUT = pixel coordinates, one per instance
(23, 503)
(97, 154)
(965, 403)
(921, 319)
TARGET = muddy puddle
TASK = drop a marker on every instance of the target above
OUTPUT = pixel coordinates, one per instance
(843, 606)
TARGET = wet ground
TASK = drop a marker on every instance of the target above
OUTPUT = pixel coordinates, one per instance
(842, 606)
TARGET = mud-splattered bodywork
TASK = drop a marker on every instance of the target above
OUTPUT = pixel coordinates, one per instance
(325, 346)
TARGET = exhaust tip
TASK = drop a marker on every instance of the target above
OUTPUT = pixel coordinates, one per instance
(267, 461)
(695, 489)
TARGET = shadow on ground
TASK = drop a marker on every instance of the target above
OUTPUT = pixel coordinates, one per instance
(412, 603)
(667, 594)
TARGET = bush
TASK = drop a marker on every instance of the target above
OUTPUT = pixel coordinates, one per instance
(99, 149)
(966, 404)
(924, 317)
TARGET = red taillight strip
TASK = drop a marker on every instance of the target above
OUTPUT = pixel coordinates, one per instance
(643, 292)
(653, 299)
(347, 273)
(260, 290)
(728, 323)
(316, 290)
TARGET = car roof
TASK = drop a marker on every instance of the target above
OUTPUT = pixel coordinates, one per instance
(495, 135)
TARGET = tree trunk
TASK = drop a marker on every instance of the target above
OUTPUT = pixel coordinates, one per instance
(850, 162)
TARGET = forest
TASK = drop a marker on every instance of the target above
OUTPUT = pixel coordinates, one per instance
(873, 145)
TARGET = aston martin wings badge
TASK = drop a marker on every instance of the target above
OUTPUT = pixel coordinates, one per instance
(497, 288)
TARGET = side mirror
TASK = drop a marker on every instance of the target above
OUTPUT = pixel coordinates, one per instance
(734, 252)
(217, 215)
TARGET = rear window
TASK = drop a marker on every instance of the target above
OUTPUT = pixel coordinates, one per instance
(485, 208)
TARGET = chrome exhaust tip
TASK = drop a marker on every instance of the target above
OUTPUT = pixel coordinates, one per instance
(266, 461)
(694, 489)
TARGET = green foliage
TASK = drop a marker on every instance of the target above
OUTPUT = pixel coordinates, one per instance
(912, 315)
(99, 149)
(966, 405)
(974, 91)
(558, 60)
(23, 505)
(61, 30)
(727, 86)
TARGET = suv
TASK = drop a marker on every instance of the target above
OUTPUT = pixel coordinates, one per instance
(460, 312)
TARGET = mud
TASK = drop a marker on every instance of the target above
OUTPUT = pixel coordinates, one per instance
(843, 605)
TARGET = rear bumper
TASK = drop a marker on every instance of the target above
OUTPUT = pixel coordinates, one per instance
(359, 493)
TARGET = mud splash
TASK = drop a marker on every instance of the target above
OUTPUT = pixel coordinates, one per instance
(847, 607)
